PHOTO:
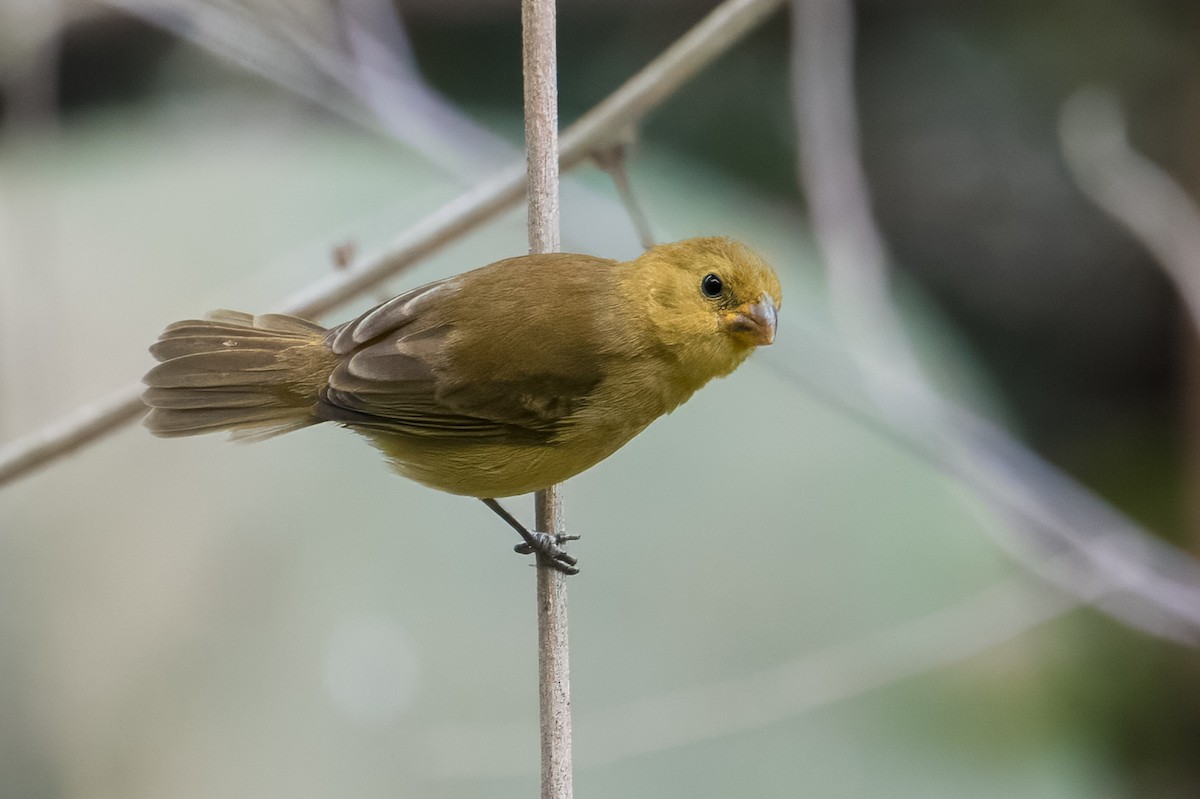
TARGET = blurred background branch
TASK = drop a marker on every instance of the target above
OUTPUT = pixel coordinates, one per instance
(1045, 508)
(835, 185)
(351, 57)
(1133, 190)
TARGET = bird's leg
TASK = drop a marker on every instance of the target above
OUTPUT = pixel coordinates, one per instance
(544, 544)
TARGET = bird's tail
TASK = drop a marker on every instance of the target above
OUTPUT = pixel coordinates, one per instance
(257, 376)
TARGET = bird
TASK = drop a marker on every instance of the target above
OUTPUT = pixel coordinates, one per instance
(492, 383)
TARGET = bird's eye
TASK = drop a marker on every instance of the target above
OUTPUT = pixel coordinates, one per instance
(711, 285)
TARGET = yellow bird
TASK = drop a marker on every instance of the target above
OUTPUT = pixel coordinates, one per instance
(495, 382)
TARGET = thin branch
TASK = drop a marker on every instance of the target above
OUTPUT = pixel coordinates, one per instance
(612, 160)
(539, 58)
(711, 37)
(540, 68)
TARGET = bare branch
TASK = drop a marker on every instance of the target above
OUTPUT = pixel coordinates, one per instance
(696, 49)
(712, 36)
(540, 68)
(539, 57)
(92, 421)
(612, 160)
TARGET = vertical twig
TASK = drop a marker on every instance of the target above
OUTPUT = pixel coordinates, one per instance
(541, 152)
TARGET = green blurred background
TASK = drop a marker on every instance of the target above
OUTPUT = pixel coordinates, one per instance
(196, 619)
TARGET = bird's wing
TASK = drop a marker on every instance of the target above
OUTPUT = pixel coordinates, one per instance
(403, 370)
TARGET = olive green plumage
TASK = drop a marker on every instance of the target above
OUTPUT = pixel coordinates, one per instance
(491, 383)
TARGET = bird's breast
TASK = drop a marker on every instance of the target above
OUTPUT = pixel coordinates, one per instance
(623, 405)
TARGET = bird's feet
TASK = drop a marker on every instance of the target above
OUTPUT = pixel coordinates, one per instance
(549, 547)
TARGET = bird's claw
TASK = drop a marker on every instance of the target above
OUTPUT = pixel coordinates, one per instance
(526, 548)
(549, 547)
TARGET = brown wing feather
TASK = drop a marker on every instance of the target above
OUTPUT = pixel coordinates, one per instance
(461, 358)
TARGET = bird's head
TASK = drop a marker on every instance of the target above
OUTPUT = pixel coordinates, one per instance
(710, 300)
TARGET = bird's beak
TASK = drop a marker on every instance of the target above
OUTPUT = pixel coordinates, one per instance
(755, 321)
